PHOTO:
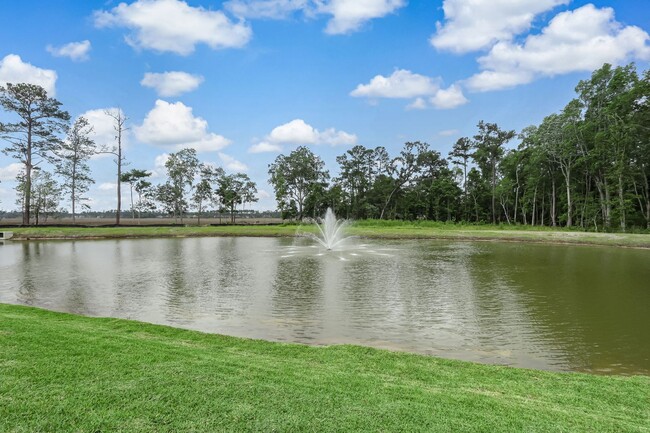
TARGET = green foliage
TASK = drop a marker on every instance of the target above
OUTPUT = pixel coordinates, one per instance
(181, 167)
(33, 138)
(137, 181)
(235, 189)
(72, 163)
(296, 178)
(45, 193)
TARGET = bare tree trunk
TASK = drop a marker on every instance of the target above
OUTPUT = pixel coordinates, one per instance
(621, 200)
(505, 210)
(608, 206)
(119, 177)
(516, 195)
(383, 210)
(28, 177)
(132, 207)
(139, 207)
(494, 187)
(567, 177)
(553, 205)
(534, 207)
(541, 222)
(120, 121)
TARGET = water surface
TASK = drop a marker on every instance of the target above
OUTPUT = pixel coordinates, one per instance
(554, 307)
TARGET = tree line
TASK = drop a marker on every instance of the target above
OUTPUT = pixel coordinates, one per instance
(54, 158)
(586, 166)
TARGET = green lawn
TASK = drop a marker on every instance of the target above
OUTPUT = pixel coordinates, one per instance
(369, 229)
(61, 372)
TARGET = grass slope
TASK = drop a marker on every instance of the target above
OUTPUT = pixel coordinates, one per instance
(61, 372)
(369, 229)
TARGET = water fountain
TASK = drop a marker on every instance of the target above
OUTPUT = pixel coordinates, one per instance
(332, 233)
(332, 237)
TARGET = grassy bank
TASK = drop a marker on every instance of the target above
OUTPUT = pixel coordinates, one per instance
(370, 229)
(69, 373)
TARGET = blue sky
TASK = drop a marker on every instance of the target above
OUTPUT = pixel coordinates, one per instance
(245, 80)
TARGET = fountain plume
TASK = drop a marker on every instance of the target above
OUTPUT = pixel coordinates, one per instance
(331, 231)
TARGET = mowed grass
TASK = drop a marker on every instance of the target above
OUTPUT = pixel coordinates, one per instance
(60, 373)
(367, 229)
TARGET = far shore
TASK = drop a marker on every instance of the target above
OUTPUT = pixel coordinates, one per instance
(363, 229)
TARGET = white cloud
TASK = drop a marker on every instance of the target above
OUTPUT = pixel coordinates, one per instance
(346, 15)
(298, 132)
(472, 25)
(350, 15)
(174, 26)
(107, 186)
(263, 194)
(449, 98)
(159, 169)
(77, 51)
(400, 84)
(264, 147)
(11, 171)
(269, 9)
(175, 126)
(161, 160)
(232, 164)
(7, 199)
(14, 70)
(171, 83)
(103, 129)
(404, 84)
(578, 40)
(417, 104)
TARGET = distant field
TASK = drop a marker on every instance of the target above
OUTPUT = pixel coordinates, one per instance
(7, 222)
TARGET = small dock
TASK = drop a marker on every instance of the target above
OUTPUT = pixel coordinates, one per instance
(6, 235)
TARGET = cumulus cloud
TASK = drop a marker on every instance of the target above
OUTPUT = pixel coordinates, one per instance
(171, 83)
(346, 16)
(400, 84)
(174, 26)
(449, 98)
(14, 70)
(349, 15)
(472, 25)
(263, 194)
(265, 147)
(404, 84)
(11, 171)
(231, 164)
(77, 51)
(578, 40)
(103, 129)
(107, 186)
(266, 9)
(174, 126)
(298, 132)
(159, 169)
(417, 104)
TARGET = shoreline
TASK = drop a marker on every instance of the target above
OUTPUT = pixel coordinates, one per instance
(405, 232)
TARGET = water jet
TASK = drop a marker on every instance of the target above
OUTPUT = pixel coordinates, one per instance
(331, 231)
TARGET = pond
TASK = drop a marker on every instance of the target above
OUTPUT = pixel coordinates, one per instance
(555, 307)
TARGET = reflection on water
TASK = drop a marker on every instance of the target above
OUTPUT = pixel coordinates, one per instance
(539, 306)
